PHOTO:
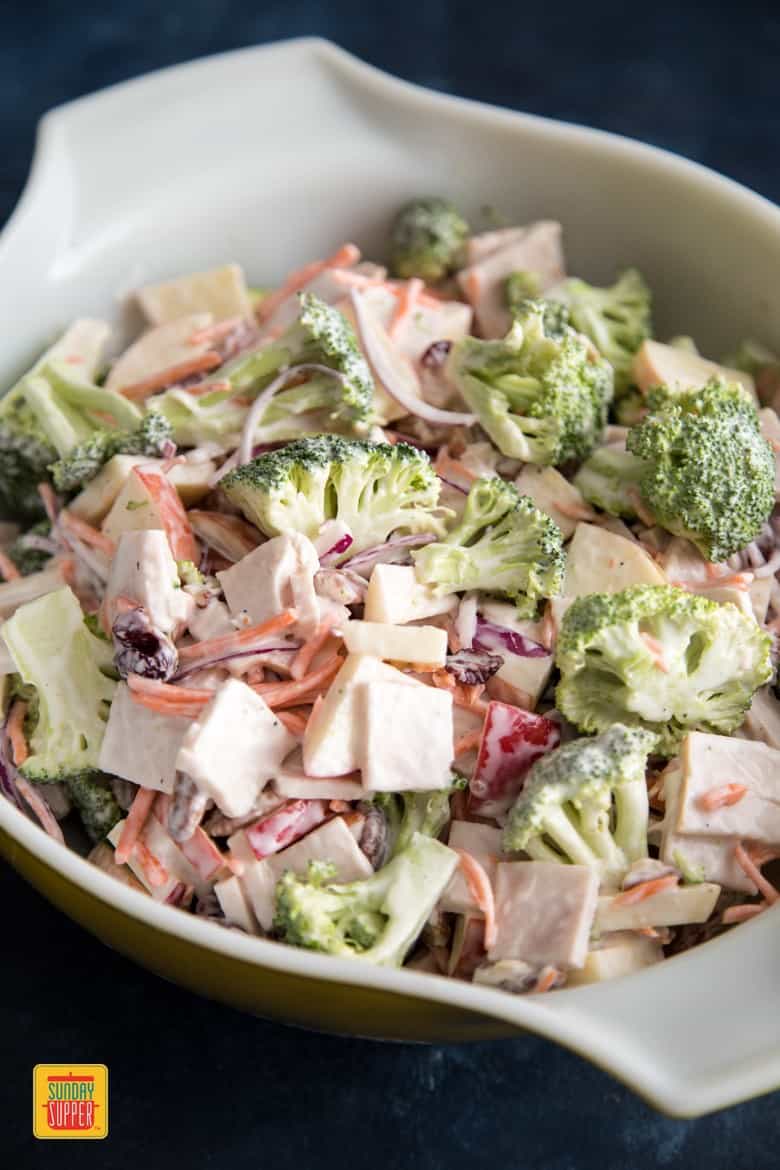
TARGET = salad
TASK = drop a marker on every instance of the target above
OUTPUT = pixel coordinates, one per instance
(421, 614)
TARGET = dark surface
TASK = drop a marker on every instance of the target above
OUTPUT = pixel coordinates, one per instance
(196, 1084)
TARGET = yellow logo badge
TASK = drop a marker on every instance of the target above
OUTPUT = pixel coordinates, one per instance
(70, 1101)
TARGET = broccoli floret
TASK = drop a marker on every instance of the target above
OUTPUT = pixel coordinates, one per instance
(95, 802)
(609, 478)
(377, 919)
(24, 553)
(522, 289)
(541, 399)
(374, 488)
(427, 240)
(503, 544)
(616, 319)
(53, 651)
(752, 357)
(709, 473)
(189, 573)
(630, 408)
(83, 463)
(320, 335)
(586, 803)
(658, 657)
(407, 813)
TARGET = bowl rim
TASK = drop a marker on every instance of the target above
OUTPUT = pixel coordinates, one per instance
(564, 1017)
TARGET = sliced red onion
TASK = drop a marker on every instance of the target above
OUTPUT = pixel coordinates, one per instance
(491, 636)
(168, 449)
(466, 621)
(336, 550)
(455, 486)
(473, 667)
(398, 378)
(217, 660)
(393, 552)
(8, 770)
(260, 404)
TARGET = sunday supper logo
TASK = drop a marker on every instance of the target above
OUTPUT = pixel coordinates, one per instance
(70, 1101)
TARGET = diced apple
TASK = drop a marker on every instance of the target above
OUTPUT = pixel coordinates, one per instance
(407, 741)
(220, 291)
(149, 500)
(395, 596)
(158, 349)
(666, 365)
(554, 495)
(598, 561)
(419, 644)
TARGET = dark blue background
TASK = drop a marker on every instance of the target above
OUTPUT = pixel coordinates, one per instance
(196, 1084)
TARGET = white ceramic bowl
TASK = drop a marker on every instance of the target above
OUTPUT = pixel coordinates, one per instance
(273, 155)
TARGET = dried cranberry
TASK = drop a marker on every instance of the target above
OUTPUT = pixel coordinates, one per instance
(141, 649)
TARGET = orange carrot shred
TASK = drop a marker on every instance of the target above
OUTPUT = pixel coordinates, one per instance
(742, 913)
(8, 569)
(467, 742)
(214, 647)
(294, 693)
(309, 650)
(295, 723)
(407, 298)
(656, 651)
(481, 891)
(547, 978)
(134, 822)
(343, 257)
(156, 873)
(214, 332)
(721, 797)
(15, 730)
(643, 890)
(137, 391)
(90, 535)
(751, 870)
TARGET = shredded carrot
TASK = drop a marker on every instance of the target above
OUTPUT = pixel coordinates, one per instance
(214, 332)
(288, 694)
(742, 913)
(343, 257)
(134, 822)
(443, 680)
(156, 874)
(643, 890)
(445, 463)
(741, 581)
(546, 980)
(407, 298)
(295, 723)
(309, 650)
(481, 891)
(225, 643)
(358, 279)
(339, 806)
(648, 932)
(656, 651)
(190, 710)
(467, 742)
(751, 870)
(218, 386)
(91, 536)
(722, 797)
(712, 570)
(15, 730)
(8, 569)
(137, 391)
(50, 502)
(471, 693)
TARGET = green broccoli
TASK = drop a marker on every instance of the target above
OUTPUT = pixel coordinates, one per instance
(374, 488)
(51, 648)
(25, 552)
(503, 544)
(377, 919)
(658, 657)
(407, 813)
(95, 802)
(586, 803)
(83, 463)
(52, 409)
(609, 478)
(709, 474)
(630, 408)
(542, 399)
(616, 319)
(427, 240)
(752, 357)
(320, 335)
(522, 289)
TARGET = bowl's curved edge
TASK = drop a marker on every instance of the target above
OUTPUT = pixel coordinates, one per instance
(564, 1017)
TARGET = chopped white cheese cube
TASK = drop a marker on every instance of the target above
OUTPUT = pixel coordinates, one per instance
(419, 644)
(709, 763)
(544, 912)
(408, 736)
(143, 570)
(709, 858)
(332, 742)
(292, 783)
(234, 747)
(396, 596)
(221, 291)
(267, 580)
(141, 745)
